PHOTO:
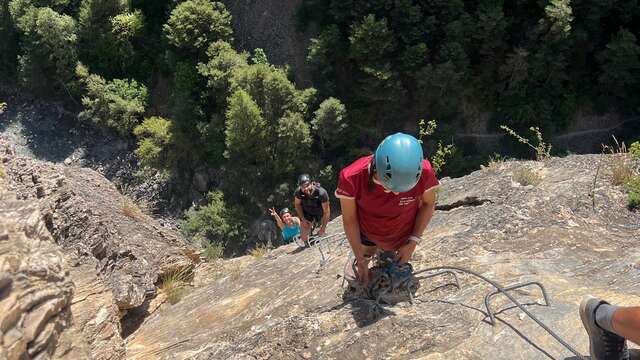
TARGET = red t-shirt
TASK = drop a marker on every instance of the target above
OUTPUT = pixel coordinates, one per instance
(385, 218)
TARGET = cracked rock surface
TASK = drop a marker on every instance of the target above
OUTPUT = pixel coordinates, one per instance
(284, 306)
(114, 253)
(36, 290)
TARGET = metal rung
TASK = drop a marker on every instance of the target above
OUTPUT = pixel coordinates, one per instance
(324, 241)
(313, 240)
(505, 291)
(487, 299)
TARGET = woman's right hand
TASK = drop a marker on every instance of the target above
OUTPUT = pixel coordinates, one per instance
(272, 211)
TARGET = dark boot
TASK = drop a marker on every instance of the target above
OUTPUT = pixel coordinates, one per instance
(603, 345)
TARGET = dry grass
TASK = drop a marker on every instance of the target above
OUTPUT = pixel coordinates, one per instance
(620, 170)
(527, 176)
(211, 251)
(234, 271)
(619, 164)
(494, 163)
(259, 251)
(143, 204)
(174, 284)
(221, 269)
(3, 174)
(130, 209)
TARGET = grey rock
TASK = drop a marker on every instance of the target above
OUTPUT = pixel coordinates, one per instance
(264, 231)
(284, 306)
(117, 251)
(200, 180)
(132, 250)
(270, 25)
(35, 289)
(127, 292)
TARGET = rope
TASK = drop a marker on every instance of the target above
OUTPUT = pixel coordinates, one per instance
(515, 302)
(398, 277)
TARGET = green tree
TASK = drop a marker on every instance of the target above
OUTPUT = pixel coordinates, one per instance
(559, 16)
(245, 138)
(292, 144)
(216, 221)
(406, 19)
(371, 42)
(270, 88)
(378, 85)
(329, 123)
(414, 57)
(217, 71)
(194, 24)
(127, 26)
(126, 29)
(245, 130)
(259, 57)
(155, 139)
(9, 46)
(117, 104)
(620, 63)
(267, 138)
(442, 86)
(94, 16)
(322, 49)
(98, 45)
(48, 48)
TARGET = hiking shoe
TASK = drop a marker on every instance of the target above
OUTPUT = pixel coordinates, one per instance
(603, 345)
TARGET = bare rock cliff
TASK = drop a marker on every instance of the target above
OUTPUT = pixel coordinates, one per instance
(79, 269)
(284, 306)
(271, 25)
(112, 255)
(36, 290)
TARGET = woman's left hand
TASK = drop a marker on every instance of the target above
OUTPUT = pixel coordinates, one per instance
(405, 251)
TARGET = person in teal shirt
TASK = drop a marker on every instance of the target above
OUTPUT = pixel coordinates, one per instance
(290, 225)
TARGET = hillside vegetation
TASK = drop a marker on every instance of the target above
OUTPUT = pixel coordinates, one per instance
(519, 63)
(167, 76)
(230, 113)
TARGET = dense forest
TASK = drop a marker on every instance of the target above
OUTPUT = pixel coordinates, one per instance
(527, 63)
(167, 75)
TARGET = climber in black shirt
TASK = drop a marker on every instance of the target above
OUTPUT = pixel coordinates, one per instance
(312, 206)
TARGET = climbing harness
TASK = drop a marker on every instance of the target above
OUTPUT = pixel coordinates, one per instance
(390, 280)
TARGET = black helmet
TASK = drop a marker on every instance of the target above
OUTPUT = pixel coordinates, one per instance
(303, 179)
(284, 211)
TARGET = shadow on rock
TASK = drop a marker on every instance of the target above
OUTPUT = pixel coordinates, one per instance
(299, 249)
(134, 318)
(367, 312)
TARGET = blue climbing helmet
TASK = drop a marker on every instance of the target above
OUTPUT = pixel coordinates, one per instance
(398, 162)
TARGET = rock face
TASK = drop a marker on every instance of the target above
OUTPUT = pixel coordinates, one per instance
(284, 306)
(90, 219)
(35, 288)
(79, 266)
(271, 25)
(116, 253)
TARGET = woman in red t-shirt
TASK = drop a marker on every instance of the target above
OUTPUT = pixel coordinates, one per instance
(387, 200)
